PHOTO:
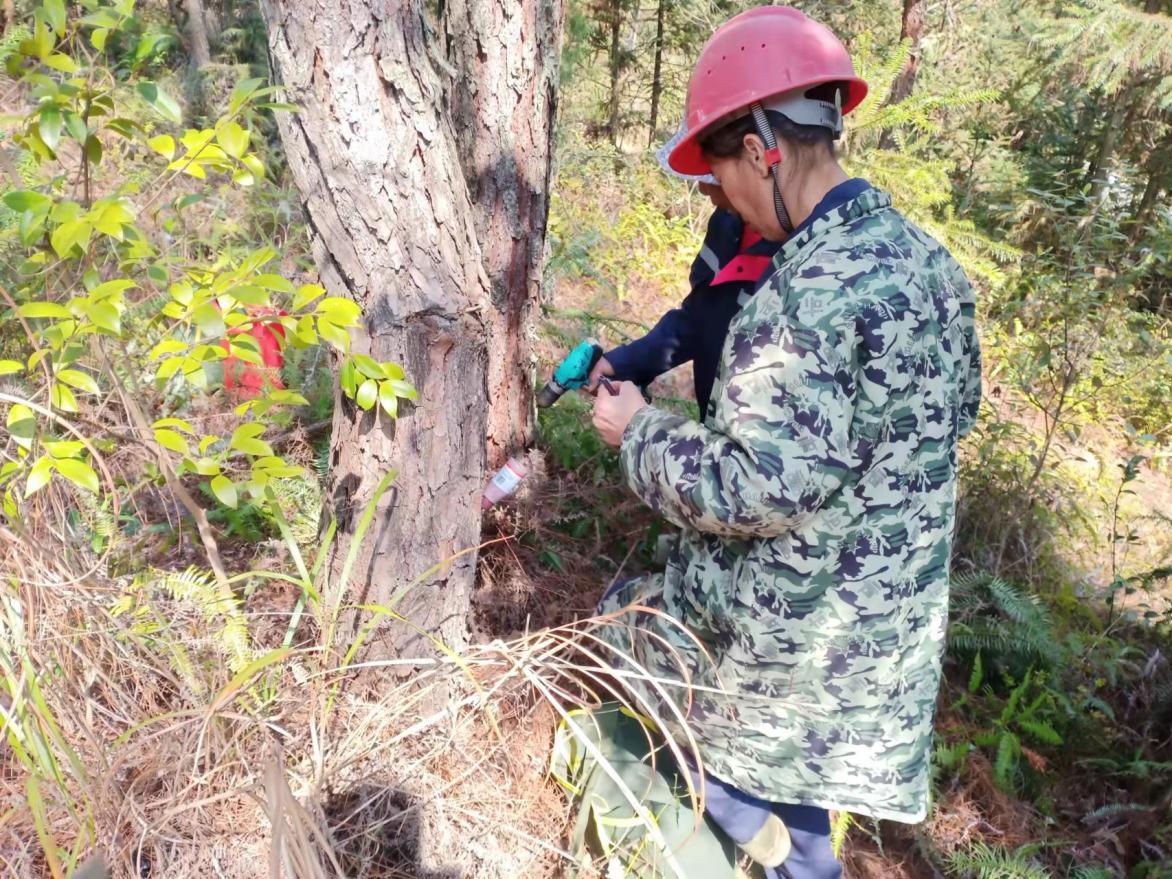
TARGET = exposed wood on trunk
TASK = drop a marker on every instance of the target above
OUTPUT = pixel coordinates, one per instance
(657, 74)
(384, 171)
(503, 100)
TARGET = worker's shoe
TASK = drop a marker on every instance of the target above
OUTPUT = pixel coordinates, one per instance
(771, 844)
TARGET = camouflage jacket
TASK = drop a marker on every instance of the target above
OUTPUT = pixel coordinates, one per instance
(817, 501)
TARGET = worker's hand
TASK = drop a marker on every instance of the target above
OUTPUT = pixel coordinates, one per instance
(613, 414)
(601, 368)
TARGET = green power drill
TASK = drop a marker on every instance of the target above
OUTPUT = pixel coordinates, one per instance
(572, 373)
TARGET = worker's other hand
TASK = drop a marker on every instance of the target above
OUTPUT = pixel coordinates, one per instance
(601, 368)
(612, 414)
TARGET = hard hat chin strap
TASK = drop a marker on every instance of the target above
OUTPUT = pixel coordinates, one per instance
(773, 156)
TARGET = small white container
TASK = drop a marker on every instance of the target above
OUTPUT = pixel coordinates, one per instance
(503, 484)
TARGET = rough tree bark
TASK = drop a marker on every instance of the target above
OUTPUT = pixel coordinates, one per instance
(197, 34)
(911, 28)
(1118, 122)
(383, 151)
(504, 99)
(1157, 171)
(657, 74)
(616, 26)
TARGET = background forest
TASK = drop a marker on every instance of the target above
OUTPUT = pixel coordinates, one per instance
(187, 685)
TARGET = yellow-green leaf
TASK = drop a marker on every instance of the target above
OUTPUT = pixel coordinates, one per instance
(306, 294)
(367, 393)
(49, 126)
(176, 423)
(62, 62)
(255, 165)
(26, 200)
(206, 467)
(22, 425)
(161, 101)
(252, 447)
(110, 219)
(233, 139)
(224, 490)
(274, 282)
(99, 37)
(169, 439)
(8, 367)
(55, 13)
(39, 475)
(209, 319)
(339, 310)
(64, 448)
(164, 145)
(43, 310)
(83, 381)
(333, 334)
(79, 473)
(368, 366)
(104, 316)
(62, 398)
(68, 235)
(403, 389)
(109, 289)
(388, 400)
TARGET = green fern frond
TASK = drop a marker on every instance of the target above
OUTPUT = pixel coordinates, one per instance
(1112, 809)
(1110, 45)
(997, 619)
(10, 40)
(201, 590)
(981, 861)
(881, 74)
(843, 821)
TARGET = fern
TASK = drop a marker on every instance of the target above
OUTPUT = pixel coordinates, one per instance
(201, 590)
(920, 185)
(996, 619)
(10, 40)
(843, 821)
(981, 861)
(1111, 46)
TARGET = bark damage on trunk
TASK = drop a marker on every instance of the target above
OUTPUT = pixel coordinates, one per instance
(403, 178)
(502, 95)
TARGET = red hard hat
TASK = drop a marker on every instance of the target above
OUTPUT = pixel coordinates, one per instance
(753, 56)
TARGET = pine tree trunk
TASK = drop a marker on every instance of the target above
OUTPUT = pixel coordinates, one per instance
(503, 101)
(1109, 140)
(1142, 211)
(615, 30)
(911, 28)
(380, 151)
(657, 75)
(197, 34)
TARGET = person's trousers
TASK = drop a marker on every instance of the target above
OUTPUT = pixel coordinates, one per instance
(704, 847)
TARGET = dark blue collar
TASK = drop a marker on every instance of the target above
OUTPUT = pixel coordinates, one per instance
(838, 196)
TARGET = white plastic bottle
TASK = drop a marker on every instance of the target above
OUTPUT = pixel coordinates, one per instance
(503, 484)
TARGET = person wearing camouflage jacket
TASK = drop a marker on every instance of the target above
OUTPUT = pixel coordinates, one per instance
(803, 608)
(816, 503)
